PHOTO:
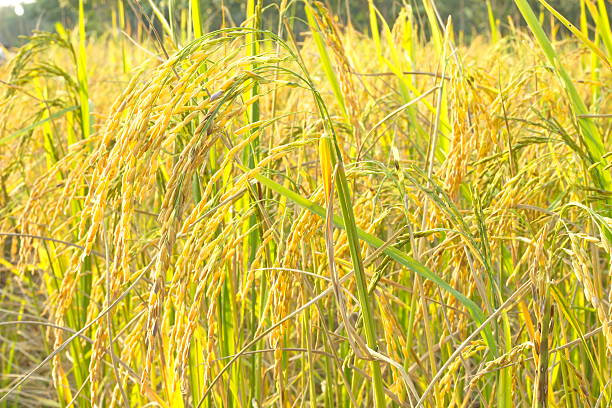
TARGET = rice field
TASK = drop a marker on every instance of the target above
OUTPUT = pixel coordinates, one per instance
(262, 216)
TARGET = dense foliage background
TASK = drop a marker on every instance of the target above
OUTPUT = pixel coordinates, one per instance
(470, 16)
(379, 214)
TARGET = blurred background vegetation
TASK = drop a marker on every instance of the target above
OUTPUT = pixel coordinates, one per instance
(469, 16)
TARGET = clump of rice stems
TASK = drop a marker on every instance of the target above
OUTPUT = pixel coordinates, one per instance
(249, 221)
(591, 137)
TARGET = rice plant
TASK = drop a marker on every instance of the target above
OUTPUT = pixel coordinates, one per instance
(293, 211)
